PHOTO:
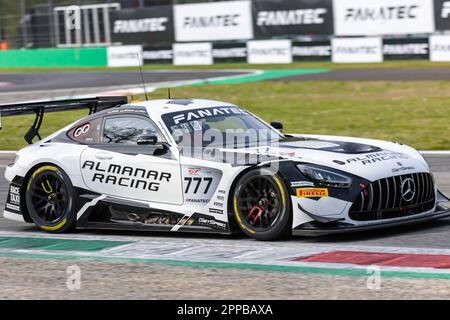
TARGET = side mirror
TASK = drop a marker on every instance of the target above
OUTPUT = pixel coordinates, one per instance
(147, 140)
(277, 125)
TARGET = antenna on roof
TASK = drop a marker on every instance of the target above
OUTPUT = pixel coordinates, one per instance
(168, 92)
(142, 76)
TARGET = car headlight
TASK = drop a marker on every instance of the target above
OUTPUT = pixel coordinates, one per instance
(325, 177)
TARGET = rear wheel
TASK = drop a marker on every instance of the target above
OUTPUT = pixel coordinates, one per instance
(262, 206)
(51, 200)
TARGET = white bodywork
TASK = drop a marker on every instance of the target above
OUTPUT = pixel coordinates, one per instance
(175, 196)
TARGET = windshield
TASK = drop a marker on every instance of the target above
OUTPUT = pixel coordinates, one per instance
(219, 126)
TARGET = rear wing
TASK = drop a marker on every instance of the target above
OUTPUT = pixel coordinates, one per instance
(93, 105)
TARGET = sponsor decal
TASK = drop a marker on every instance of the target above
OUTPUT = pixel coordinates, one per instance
(368, 17)
(216, 211)
(193, 171)
(183, 117)
(211, 222)
(126, 176)
(269, 51)
(377, 157)
(14, 195)
(12, 207)
(302, 184)
(312, 193)
(218, 204)
(402, 168)
(13, 199)
(81, 130)
(202, 201)
(229, 20)
(357, 50)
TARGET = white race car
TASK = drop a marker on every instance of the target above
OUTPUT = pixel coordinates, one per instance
(184, 165)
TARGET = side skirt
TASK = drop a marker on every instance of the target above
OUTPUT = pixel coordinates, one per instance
(107, 213)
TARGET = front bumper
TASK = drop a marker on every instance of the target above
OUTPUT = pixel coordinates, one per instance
(318, 229)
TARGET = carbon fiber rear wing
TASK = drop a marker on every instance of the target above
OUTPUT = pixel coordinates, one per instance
(40, 108)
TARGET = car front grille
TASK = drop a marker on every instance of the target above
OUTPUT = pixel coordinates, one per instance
(382, 199)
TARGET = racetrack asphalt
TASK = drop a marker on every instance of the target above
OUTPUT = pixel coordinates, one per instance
(22, 277)
(17, 87)
(23, 82)
(35, 278)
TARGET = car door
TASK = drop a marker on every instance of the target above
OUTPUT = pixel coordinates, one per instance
(119, 166)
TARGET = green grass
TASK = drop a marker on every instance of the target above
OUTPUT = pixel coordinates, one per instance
(220, 66)
(415, 113)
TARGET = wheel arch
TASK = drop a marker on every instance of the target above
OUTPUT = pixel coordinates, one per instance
(230, 201)
(27, 177)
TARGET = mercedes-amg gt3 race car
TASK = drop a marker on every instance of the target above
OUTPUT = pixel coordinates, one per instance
(207, 166)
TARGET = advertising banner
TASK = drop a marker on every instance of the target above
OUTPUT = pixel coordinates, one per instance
(124, 56)
(145, 26)
(382, 17)
(231, 20)
(199, 53)
(440, 48)
(311, 51)
(157, 55)
(357, 50)
(408, 48)
(230, 52)
(301, 17)
(442, 14)
(269, 51)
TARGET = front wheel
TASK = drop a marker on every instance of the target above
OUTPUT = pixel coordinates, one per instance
(51, 200)
(262, 205)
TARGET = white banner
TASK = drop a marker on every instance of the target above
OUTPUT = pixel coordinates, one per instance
(185, 54)
(440, 48)
(231, 20)
(124, 56)
(357, 50)
(370, 17)
(269, 51)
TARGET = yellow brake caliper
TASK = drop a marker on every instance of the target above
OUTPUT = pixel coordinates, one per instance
(50, 190)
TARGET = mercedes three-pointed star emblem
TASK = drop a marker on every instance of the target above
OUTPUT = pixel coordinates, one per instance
(408, 189)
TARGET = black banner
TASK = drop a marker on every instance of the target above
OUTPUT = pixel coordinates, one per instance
(401, 49)
(162, 54)
(311, 51)
(442, 14)
(143, 26)
(284, 18)
(230, 52)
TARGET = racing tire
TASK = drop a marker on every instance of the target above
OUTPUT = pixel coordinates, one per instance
(51, 200)
(262, 206)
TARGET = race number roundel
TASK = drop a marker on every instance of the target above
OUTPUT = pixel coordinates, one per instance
(82, 130)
